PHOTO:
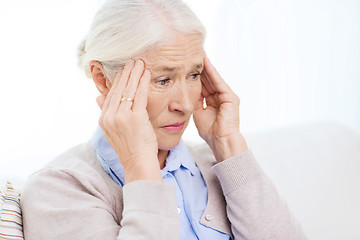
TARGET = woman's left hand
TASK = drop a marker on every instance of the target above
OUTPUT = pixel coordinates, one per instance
(218, 123)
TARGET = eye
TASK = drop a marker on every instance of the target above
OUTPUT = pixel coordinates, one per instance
(164, 82)
(195, 76)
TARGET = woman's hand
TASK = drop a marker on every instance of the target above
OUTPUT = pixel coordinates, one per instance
(126, 126)
(218, 123)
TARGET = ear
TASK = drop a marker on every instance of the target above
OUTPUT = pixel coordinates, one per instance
(98, 75)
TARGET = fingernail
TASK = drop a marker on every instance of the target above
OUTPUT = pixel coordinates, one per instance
(140, 63)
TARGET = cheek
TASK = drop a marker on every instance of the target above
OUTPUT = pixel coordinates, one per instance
(157, 102)
(195, 91)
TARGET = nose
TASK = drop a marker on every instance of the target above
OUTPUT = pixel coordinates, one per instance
(183, 99)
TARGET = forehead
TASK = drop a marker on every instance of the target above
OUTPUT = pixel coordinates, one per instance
(182, 52)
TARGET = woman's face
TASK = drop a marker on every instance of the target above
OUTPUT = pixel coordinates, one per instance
(175, 87)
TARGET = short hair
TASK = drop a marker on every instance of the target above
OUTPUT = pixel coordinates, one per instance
(124, 29)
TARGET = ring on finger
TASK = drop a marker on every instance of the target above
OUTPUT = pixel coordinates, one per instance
(124, 99)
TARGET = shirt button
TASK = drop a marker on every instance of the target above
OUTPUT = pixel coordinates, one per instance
(208, 217)
(179, 210)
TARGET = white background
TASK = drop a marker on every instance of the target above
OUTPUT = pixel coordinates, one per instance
(290, 61)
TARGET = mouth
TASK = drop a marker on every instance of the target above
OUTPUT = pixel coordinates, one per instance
(175, 127)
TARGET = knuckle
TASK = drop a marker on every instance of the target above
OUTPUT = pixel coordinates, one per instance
(107, 121)
(126, 93)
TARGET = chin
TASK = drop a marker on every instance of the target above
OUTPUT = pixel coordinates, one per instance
(168, 145)
(168, 141)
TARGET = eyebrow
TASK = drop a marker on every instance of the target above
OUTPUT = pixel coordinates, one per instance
(172, 69)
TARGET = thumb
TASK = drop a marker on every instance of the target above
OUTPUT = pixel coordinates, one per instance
(100, 101)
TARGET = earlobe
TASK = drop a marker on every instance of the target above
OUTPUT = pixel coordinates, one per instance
(99, 77)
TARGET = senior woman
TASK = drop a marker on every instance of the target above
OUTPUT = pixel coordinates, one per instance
(136, 179)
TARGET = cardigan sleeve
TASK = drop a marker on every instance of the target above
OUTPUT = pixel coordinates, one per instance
(65, 204)
(254, 207)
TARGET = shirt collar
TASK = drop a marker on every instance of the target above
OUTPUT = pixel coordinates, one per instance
(178, 156)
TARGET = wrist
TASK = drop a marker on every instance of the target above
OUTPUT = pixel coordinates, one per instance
(227, 147)
(143, 170)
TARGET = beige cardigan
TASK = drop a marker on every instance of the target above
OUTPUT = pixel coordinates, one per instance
(74, 198)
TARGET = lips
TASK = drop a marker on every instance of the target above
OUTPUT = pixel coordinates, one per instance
(175, 127)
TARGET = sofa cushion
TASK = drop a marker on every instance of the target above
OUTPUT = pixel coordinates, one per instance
(10, 214)
(315, 168)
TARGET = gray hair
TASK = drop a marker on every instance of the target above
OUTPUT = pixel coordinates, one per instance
(123, 29)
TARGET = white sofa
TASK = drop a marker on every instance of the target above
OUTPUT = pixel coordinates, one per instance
(316, 168)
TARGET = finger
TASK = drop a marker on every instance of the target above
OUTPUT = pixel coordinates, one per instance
(114, 91)
(135, 76)
(132, 85)
(119, 85)
(204, 92)
(140, 100)
(209, 83)
(214, 77)
(206, 83)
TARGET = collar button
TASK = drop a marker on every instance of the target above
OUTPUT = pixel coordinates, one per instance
(208, 217)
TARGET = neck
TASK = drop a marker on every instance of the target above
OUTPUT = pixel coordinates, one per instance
(162, 154)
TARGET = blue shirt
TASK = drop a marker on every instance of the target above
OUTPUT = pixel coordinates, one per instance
(181, 172)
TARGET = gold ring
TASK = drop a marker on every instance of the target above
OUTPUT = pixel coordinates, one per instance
(126, 99)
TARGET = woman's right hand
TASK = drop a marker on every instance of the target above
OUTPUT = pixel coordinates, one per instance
(126, 123)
